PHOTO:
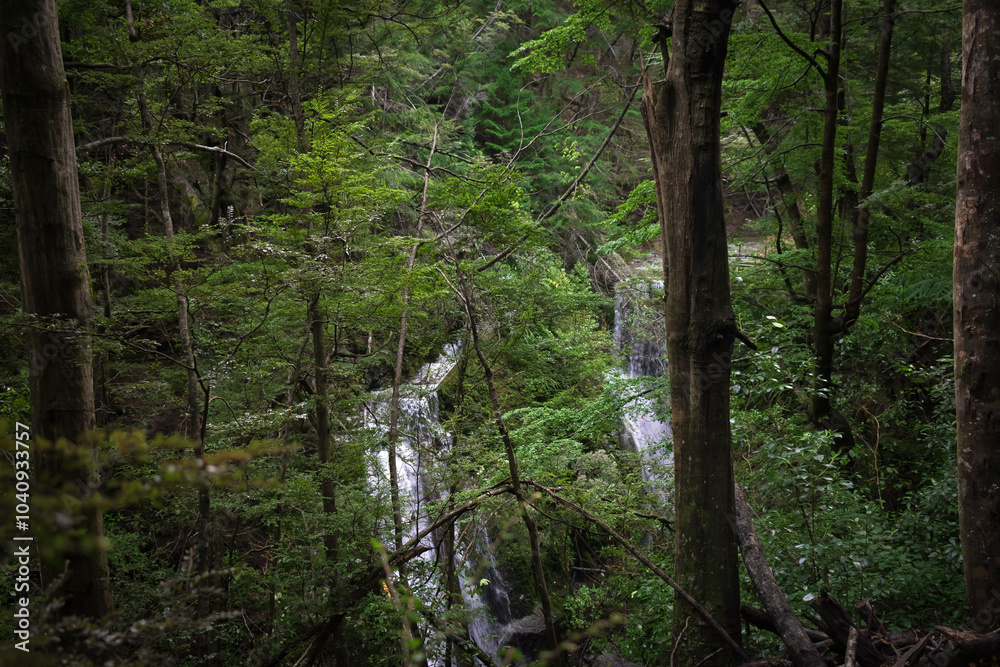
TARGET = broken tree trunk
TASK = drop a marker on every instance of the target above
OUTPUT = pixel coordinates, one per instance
(762, 620)
(967, 649)
(800, 647)
(838, 627)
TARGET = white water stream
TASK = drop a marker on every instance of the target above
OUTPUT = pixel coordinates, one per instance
(640, 337)
(423, 443)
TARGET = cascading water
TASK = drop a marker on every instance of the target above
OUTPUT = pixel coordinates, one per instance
(483, 585)
(419, 447)
(640, 336)
(486, 593)
(418, 427)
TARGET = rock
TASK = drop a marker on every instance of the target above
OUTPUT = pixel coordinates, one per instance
(612, 660)
(527, 634)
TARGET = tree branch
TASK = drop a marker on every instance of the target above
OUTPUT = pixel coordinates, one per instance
(108, 141)
(790, 43)
(632, 549)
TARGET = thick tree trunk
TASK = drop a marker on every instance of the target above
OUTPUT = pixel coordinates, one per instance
(977, 310)
(55, 283)
(682, 119)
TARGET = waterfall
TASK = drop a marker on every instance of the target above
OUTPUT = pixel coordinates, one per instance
(484, 588)
(418, 425)
(489, 603)
(640, 337)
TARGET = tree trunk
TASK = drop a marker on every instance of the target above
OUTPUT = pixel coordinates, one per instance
(317, 324)
(947, 89)
(682, 120)
(294, 89)
(863, 215)
(977, 310)
(823, 334)
(183, 324)
(790, 201)
(55, 283)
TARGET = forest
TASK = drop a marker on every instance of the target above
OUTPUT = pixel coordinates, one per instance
(454, 333)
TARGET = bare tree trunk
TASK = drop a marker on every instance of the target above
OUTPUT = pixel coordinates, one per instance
(863, 215)
(823, 334)
(397, 378)
(682, 120)
(977, 310)
(55, 283)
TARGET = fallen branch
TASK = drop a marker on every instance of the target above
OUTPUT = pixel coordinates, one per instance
(910, 658)
(787, 626)
(852, 647)
(839, 625)
(632, 549)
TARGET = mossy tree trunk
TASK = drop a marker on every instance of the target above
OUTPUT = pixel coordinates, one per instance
(977, 310)
(55, 284)
(682, 121)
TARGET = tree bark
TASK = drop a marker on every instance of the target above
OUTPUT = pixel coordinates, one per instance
(977, 310)
(55, 283)
(682, 120)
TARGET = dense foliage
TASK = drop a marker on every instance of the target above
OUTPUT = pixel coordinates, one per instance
(333, 166)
